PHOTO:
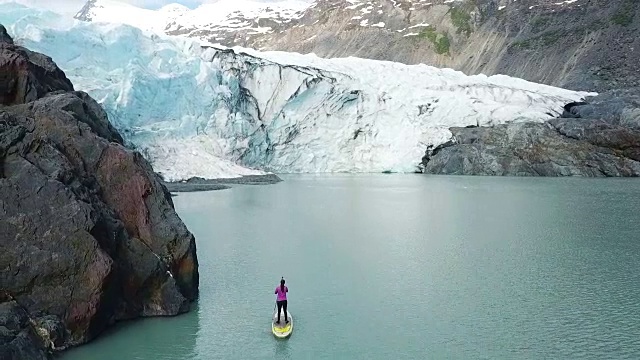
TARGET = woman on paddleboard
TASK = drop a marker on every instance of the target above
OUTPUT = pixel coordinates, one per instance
(282, 291)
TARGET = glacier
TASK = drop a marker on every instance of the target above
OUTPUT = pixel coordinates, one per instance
(195, 109)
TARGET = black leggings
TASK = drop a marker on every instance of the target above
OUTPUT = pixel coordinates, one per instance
(282, 304)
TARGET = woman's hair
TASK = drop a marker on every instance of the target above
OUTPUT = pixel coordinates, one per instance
(282, 284)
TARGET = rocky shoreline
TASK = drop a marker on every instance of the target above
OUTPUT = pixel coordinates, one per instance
(596, 138)
(88, 232)
(200, 184)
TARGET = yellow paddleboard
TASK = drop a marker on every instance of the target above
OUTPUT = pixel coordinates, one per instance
(282, 329)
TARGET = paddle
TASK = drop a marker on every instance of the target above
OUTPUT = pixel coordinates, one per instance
(276, 304)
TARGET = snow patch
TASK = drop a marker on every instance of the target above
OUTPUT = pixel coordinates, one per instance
(419, 25)
(353, 7)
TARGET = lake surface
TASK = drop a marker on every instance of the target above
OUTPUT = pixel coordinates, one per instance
(406, 267)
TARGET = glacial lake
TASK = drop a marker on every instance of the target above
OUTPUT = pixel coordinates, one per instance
(406, 267)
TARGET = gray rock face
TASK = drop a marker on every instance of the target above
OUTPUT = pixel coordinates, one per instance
(85, 13)
(18, 338)
(585, 45)
(617, 106)
(594, 147)
(88, 233)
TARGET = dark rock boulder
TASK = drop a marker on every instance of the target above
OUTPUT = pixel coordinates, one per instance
(18, 337)
(570, 109)
(88, 232)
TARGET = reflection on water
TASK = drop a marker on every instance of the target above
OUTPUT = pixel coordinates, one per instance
(164, 337)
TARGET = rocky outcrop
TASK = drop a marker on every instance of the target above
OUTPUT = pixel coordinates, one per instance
(200, 184)
(618, 106)
(88, 232)
(18, 336)
(605, 144)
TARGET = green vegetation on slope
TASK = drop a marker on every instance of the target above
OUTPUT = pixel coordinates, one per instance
(625, 14)
(461, 20)
(539, 23)
(439, 40)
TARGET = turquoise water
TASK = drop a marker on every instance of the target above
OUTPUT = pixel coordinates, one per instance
(406, 267)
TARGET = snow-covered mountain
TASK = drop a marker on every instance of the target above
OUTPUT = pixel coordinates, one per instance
(204, 111)
(225, 21)
(577, 44)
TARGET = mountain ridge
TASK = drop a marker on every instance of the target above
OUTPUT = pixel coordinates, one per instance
(589, 45)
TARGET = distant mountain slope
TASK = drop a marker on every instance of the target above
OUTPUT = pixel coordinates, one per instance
(579, 44)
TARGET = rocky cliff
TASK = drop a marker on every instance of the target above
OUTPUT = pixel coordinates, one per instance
(88, 233)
